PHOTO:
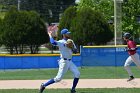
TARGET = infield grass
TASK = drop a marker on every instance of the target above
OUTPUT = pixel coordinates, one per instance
(116, 90)
(86, 73)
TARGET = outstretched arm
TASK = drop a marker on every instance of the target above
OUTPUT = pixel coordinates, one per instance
(51, 38)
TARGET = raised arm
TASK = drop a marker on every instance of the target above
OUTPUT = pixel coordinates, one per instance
(51, 38)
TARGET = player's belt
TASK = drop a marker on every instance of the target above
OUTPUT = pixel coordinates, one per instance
(67, 59)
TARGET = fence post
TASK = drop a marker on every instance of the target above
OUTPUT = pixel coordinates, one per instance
(81, 49)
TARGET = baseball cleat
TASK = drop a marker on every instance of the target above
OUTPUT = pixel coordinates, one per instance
(42, 87)
(131, 78)
(73, 91)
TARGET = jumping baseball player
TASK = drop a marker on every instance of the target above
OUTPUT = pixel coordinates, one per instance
(65, 63)
(133, 55)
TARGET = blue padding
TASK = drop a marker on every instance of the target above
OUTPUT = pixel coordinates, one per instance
(103, 56)
(13, 62)
(32, 62)
(98, 57)
(89, 57)
(48, 62)
(2, 62)
(77, 60)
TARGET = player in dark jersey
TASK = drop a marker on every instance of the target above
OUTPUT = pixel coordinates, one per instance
(133, 55)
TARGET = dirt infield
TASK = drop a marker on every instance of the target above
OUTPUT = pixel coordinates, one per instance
(67, 83)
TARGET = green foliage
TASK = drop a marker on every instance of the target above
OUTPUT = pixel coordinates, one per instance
(69, 14)
(22, 28)
(1, 22)
(9, 29)
(106, 7)
(86, 25)
(92, 27)
(2, 14)
(67, 18)
(131, 11)
(36, 32)
(49, 10)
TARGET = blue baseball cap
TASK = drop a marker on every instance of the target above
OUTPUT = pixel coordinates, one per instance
(65, 31)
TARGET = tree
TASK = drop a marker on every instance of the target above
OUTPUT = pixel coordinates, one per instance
(1, 23)
(131, 12)
(49, 10)
(22, 28)
(8, 37)
(106, 7)
(92, 27)
(36, 32)
(67, 18)
(86, 25)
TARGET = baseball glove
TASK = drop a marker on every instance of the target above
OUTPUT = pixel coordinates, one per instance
(69, 43)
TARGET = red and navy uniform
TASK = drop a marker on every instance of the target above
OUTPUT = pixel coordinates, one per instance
(131, 45)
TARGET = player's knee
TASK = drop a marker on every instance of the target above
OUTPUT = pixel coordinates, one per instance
(126, 66)
(57, 80)
(77, 74)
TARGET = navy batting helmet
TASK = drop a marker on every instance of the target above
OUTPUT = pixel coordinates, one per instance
(127, 35)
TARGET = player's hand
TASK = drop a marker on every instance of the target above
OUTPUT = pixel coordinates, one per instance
(50, 33)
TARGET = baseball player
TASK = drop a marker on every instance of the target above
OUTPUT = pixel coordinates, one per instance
(65, 62)
(133, 55)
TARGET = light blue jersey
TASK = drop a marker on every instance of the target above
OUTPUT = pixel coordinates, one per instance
(65, 52)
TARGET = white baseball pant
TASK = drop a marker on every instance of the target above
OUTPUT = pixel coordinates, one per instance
(133, 58)
(64, 66)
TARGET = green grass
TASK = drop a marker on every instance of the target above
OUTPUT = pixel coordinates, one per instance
(86, 73)
(116, 90)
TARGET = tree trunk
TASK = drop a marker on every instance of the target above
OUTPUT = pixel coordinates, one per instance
(36, 49)
(11, 50)
(52, 49)
(31, 48)
(16, 49)
(21, 49)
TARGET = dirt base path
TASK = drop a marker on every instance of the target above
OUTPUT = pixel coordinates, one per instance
(67, 83)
